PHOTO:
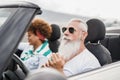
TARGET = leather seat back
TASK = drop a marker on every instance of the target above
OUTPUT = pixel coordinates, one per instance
(96, 32)
(53, 40)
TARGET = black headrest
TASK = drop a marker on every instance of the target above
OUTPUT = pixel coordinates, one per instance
(96, 30)
(55, 32)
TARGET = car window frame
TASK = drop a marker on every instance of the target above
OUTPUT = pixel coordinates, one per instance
(17, 29)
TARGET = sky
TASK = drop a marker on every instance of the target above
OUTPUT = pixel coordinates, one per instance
(94, 8)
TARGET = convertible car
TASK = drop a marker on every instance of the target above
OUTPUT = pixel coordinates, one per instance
(15, 18)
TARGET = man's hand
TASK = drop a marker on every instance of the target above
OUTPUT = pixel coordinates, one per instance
(56, 62)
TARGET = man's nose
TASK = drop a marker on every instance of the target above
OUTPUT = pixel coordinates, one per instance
(66, 32)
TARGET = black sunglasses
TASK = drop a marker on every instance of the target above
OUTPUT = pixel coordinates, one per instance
(71, 29)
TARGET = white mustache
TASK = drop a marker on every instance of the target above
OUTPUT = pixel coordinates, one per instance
(66, 38)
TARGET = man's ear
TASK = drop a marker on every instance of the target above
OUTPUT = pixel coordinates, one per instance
(84, 35)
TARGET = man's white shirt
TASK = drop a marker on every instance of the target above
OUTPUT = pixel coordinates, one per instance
(83, 62)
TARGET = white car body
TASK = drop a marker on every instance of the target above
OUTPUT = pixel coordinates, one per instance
(107, 72)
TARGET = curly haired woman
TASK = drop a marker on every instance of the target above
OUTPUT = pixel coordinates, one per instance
(37, 52)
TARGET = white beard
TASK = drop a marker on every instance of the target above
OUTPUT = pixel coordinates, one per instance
(68, 48)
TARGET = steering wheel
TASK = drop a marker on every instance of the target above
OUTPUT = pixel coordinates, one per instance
(20, 63)
(16, 74)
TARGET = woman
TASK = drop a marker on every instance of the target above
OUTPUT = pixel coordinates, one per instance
(38, 52)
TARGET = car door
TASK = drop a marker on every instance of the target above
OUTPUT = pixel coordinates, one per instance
(107, 72)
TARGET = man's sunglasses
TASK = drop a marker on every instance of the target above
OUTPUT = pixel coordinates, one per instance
(71, 29)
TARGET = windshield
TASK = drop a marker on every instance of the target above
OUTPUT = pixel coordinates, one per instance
(4, 15)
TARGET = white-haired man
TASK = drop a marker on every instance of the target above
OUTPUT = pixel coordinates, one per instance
(73, 57)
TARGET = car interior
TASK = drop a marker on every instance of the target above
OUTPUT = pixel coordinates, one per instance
(15, 72)
(53, 41)
(105, 48)
(96, 32)
(112, 43)
(12, 72)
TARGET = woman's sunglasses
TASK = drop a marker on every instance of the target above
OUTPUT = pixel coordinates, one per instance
(71, 29)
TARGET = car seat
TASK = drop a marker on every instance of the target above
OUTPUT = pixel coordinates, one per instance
(53, 40)
(112, 43)
(96, 32)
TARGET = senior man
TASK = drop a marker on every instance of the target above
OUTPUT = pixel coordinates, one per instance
(73, 57)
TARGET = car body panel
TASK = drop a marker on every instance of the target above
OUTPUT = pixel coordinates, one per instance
(107, 72)
(19, 4)
(113, 30)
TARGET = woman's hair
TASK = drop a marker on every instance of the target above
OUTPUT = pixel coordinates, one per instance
(41, 26)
